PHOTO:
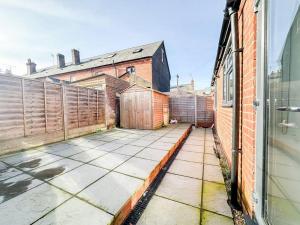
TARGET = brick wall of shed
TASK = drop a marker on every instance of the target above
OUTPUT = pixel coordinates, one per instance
(159, 100)
(223, 120)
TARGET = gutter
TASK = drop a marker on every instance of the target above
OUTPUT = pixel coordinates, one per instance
(235, 112)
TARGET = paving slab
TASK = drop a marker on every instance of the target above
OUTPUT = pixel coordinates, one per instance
(184, 168)
(129, 150)
(7, 171)
(192, 148)
(17, 185)
(182, 189)
(213, 173)
(31, 205)
(111, 192)
(137, 167)
(215, 198)
(151, 137)
(142, 142)
(109, 147)
(89, 155)
(194, 142)
(152, 154)
(21, 157)
(211, 159)
(56, 147)
(30, 164)
(124, 141)
(172, 140)
(79, 178)
(76, 212)
(161, 145)
(209, 150)
(209, 218)
(70, 151)
(57, 168)
(161, 211)
(110, 160)
(190, 156)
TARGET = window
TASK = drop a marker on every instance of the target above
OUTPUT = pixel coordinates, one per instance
(228, 78)
(162, 55)
(137, 50)
(130, 70)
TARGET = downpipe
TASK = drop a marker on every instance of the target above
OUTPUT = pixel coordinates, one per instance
(235, 112)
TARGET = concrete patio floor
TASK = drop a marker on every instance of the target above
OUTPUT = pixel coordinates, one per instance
(192, 192)
(92, 179)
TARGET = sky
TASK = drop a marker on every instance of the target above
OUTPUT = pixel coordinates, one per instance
(40, 29)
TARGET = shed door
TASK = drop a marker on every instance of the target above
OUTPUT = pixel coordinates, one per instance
(143, 110)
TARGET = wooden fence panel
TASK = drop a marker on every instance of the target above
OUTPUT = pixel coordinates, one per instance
(44, 112)
(192, 109)
(11, 108)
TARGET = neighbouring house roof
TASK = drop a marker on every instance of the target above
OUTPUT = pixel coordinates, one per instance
(134, 53)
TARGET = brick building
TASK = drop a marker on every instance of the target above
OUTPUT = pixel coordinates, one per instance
(148, 62)
(256, 77)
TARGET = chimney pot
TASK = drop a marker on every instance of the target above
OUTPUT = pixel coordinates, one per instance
(75, 56)
(31, 67)
(60, 60)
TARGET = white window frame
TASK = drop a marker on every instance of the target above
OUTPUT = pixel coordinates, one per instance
(227, 74)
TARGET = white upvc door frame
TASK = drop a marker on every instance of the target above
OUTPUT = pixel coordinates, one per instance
(260, 205)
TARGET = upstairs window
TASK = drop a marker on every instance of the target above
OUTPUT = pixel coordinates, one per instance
(162, 55)
(228, 77)
(130, 70)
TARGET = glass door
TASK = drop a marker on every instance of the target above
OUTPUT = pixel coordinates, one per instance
(282, 204)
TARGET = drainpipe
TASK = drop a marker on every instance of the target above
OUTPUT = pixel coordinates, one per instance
(235, 112)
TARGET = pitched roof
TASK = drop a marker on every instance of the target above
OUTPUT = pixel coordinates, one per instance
(133, 53)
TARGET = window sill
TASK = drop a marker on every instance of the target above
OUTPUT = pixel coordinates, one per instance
(227, 105)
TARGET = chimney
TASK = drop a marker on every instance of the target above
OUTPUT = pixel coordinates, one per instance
(75, 57)
(60, 60)
(31, 67)
(193, 84)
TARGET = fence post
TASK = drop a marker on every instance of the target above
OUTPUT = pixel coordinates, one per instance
(89, 113)
(24, 109)
(45, 105)
(78, 107)
(64, 112)
(97, 108)
(195, 110)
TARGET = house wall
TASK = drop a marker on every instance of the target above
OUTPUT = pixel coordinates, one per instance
(247, 90)
(143, 69)
(161, 72)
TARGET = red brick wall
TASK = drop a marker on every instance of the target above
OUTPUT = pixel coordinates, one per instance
(247, 41)
(143, 69)
(159, 100)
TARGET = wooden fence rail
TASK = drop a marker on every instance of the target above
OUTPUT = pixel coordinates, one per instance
(33, 112)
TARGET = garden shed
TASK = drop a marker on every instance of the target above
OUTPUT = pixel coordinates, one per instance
(143, 108)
